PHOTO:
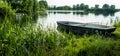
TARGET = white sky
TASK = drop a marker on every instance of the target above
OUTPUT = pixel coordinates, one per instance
(89, 2)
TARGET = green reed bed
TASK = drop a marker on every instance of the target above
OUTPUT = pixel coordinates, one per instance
(117, 31)
(30, 41)
(26, 40)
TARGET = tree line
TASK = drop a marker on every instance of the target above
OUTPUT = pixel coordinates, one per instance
(81, 6)
(106, 8)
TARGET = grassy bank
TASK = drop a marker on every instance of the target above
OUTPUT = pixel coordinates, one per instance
(17, 40)
(117, 32)
(29, 41)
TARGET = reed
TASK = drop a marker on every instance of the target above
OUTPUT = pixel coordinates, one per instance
(27, 40)
(32, 41)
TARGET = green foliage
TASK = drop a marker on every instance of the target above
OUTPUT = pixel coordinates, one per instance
(117, 24)
(24, 6)
(43, 6)
(28, 8)
(117, 31)
(105, 10)
(90, 46)
(63, 8)
(112, 7)
(82, 6)
(96, 6)
(105, 6)
(32, 41)
(6, 10)
(60, 8)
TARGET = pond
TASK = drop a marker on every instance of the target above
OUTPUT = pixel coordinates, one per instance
(49, 21)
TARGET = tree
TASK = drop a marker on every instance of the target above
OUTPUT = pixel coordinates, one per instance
(54, 7)
(66, 8)
(106, 6)
(112, 7)
(22, 6)
(43, 4)
(86, 7)
(74, 7)
(96, 6)
(77, 7)
(82, 6)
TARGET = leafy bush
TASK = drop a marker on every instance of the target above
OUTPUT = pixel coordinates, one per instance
(6, 10)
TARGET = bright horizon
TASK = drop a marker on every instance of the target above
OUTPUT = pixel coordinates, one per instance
(91, 3)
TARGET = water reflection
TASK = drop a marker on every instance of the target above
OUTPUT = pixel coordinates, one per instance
(80, 13)
(77, 16)
(22, 18)
(105, 14)
(60, 12)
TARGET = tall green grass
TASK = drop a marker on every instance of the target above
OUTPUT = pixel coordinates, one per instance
(117, 31)
(31, 41)
(35, 41)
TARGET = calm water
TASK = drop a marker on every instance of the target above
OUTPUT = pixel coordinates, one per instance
(52, 17)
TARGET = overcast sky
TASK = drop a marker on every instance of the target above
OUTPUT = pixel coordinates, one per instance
(89, 2)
